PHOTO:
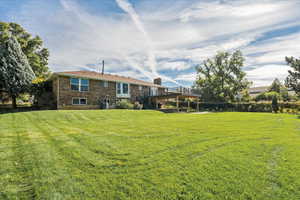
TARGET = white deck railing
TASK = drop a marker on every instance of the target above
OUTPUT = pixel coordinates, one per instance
(181, 90)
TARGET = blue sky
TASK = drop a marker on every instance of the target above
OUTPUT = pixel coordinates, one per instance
(149, 38)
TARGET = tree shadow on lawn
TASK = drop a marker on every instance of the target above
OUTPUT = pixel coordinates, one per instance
(21, 109)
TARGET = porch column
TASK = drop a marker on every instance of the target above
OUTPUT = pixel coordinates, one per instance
(188, 105)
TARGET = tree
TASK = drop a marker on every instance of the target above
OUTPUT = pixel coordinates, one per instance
(16, 74)
(221, 78)
(267, 96)
(284, 93)
(276, 86)
(280, 89)
(293, 79)
(275, 106)
(32, 47)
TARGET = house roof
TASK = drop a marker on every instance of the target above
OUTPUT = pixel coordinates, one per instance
(106, 77)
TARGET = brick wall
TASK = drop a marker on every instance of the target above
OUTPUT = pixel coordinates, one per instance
(97, 93)
(54, 89)
(162, 91)
(137, 94)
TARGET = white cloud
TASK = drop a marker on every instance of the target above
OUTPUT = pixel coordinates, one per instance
(173, 35)
(127, 7)
(191, 77)
(275, 49)
(174, 66)
(263, 76)
(76, 38)
(131, 73)
(215, 9)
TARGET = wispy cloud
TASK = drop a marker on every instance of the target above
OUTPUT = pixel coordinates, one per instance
(127, 7)
(167, 37)
(264, 75)
(191, 77)
(218, 9)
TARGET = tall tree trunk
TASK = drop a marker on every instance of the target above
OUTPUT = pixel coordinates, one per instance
(14, 102)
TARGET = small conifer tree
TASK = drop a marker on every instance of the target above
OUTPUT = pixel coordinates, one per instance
(16, 74)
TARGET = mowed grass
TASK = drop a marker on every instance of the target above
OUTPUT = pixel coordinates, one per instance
(119, 154)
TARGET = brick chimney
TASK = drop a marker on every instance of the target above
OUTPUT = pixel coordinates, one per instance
(157, 81)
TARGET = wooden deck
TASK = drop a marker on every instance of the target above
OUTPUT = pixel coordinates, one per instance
(175, 96)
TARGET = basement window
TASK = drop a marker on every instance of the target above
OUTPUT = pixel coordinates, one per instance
(79, 101)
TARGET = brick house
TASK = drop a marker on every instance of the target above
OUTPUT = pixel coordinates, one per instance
(90, 90)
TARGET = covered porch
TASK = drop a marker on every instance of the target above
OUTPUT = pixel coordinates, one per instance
(181, 101)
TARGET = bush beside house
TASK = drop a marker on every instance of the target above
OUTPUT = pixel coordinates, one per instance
(124, 104)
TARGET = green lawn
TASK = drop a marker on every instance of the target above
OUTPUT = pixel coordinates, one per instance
(139, 155)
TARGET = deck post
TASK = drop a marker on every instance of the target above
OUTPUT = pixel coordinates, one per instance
(188, 105)
(198, 105)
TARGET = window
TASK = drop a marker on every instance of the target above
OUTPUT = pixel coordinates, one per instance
(123, 90)
(83, 102)
(140, 88)
(105, 84)
(75, 101)
(79, 101)
(75, 84)
(119, 90)
(153, 91)
(84, 85)
(78, 84)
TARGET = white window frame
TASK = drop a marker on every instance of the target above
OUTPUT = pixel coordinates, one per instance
(79, 98)
(79, 85)
(122, 95)
(140, 88)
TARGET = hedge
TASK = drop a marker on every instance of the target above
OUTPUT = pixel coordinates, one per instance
(250, 107)
(240, 107)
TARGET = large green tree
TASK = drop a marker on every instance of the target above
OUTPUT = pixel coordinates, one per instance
(16, 74)
(278, 88)
(32, 47)
(293, 79)
(275, 86)
(221, 78)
